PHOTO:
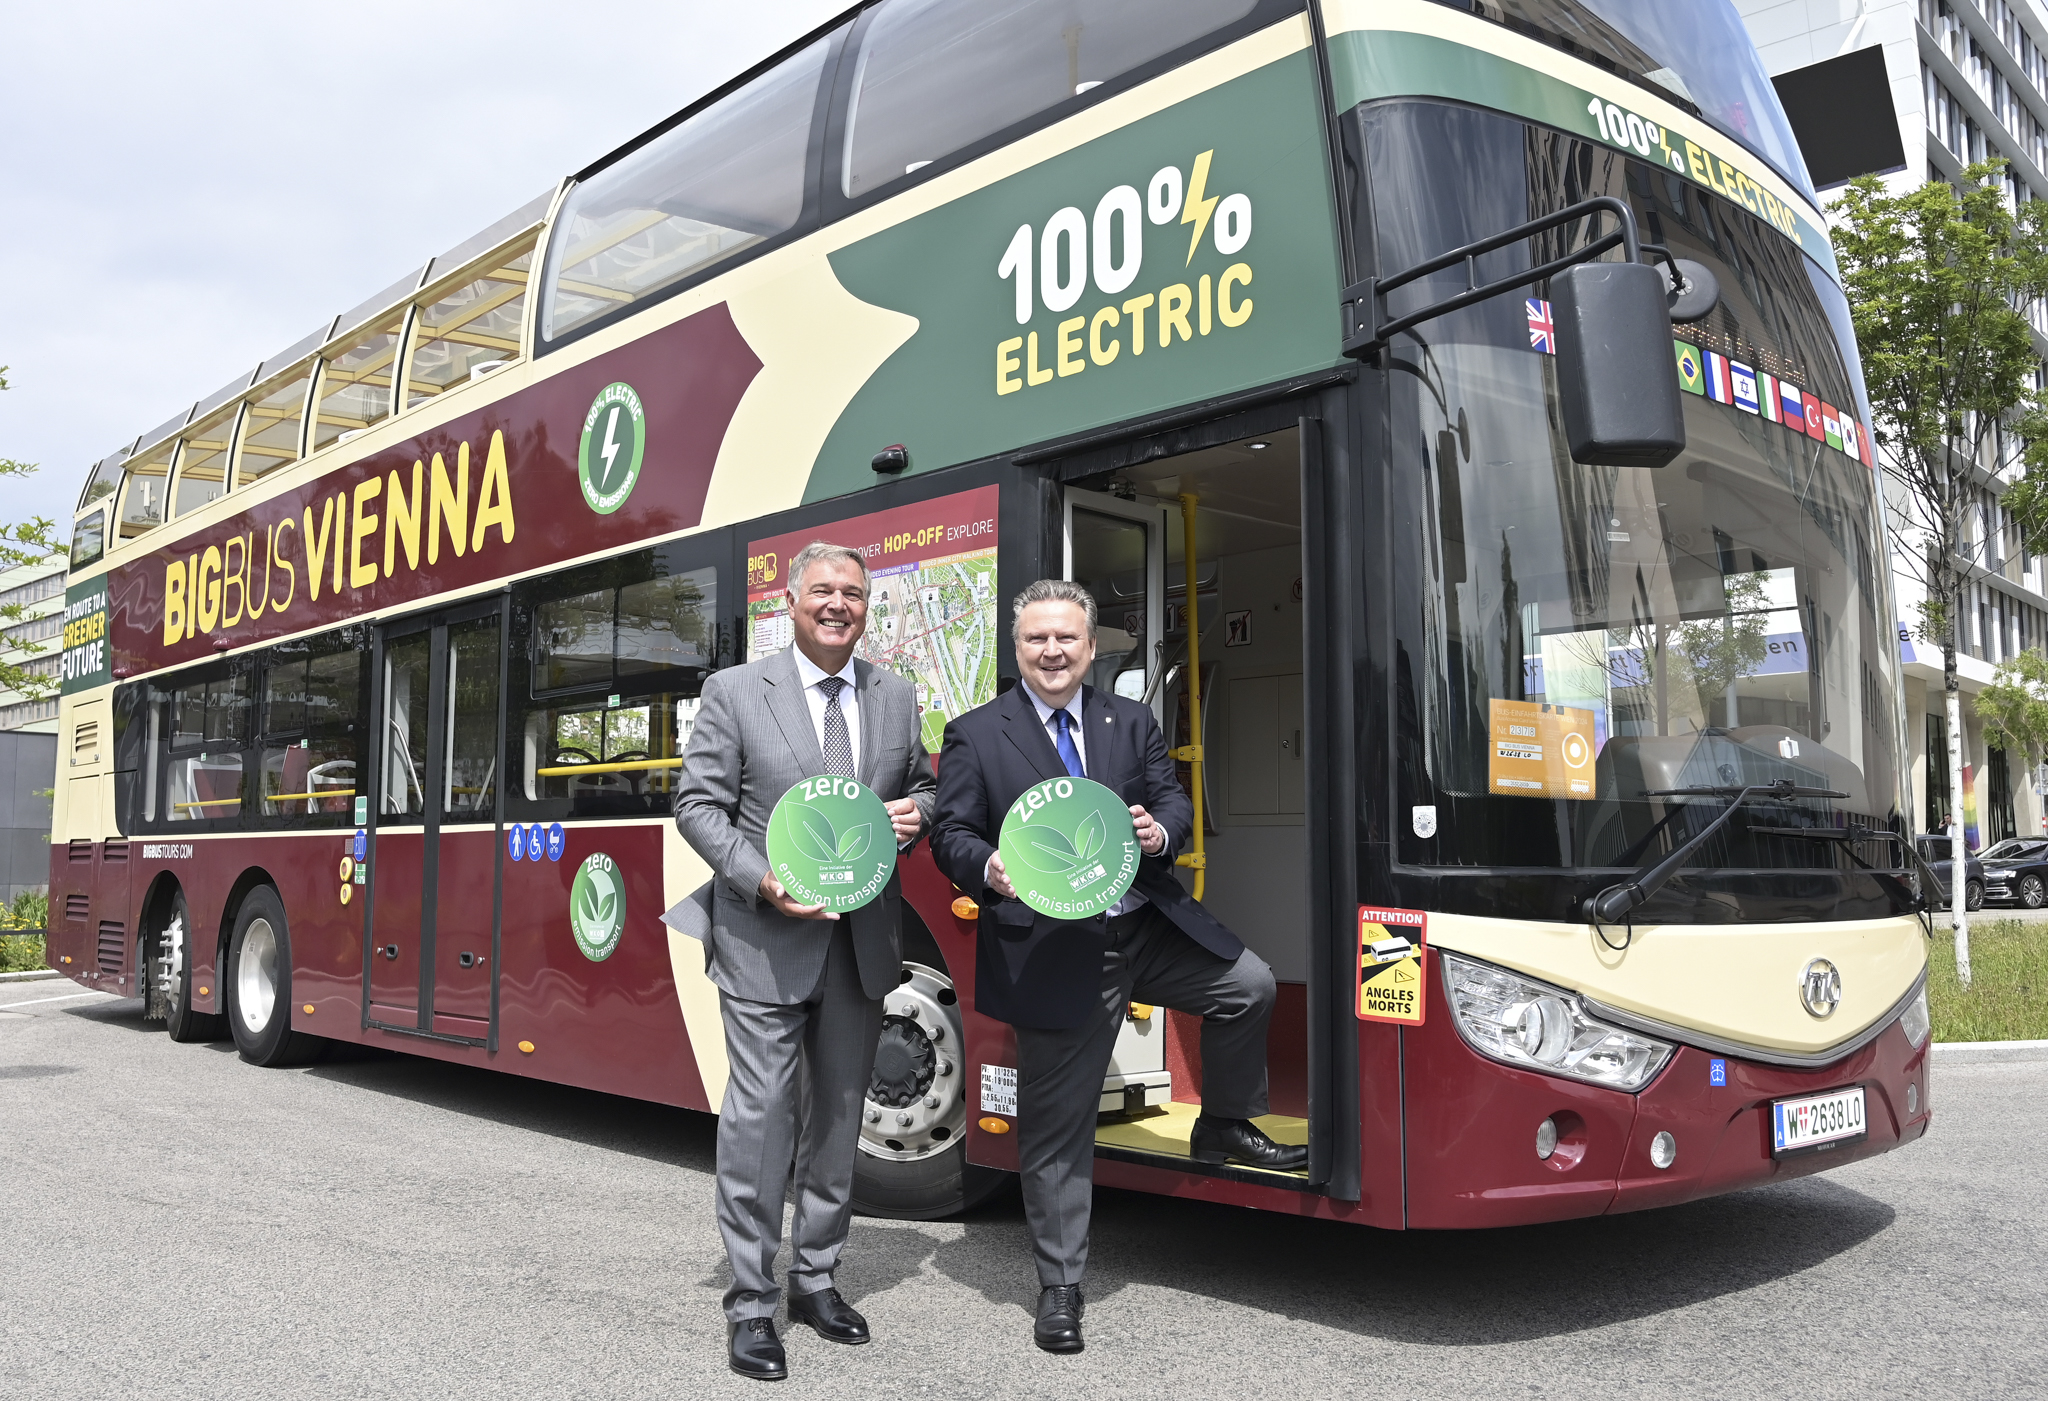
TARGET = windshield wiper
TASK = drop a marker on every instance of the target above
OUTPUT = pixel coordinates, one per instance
(1617, 901)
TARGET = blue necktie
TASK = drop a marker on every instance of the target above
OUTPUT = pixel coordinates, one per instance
(1069, 755)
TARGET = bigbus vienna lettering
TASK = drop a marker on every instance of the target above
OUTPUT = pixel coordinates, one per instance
(216, 587)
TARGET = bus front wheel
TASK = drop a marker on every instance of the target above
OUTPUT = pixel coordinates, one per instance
(912, 1158)
(258, 982)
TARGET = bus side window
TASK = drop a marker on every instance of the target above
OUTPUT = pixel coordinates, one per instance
(616, 673)
(311, 695)
(144, 497)
(209, 722)
(203, 464)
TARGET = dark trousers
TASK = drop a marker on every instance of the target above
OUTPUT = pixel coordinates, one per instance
(799, 1072)
(1059, 1072)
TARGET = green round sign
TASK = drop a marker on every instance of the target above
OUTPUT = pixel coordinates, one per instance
(1069, 847)
(830, 843)
(597, 906)
(614, 441)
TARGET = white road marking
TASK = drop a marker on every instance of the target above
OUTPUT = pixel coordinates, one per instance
(72, 997)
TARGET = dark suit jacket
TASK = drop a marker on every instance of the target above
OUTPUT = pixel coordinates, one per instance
(1031, 969)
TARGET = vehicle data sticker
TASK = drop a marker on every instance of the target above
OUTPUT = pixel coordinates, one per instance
(1390, 949)
(999, 1090)
(1069, 846)
(830, 843)
(1540, 751)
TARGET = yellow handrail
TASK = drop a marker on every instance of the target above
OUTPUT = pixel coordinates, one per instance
(294, 797)
(1196, 860)
(630, 766)
(207, 803)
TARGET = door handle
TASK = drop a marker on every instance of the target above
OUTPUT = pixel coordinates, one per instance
(391, 952)
(468, 959)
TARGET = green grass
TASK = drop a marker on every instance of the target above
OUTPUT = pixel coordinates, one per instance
(2008, 995)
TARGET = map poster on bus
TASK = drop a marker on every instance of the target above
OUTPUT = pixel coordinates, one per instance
(932, 609)
(1390, 983)
(1541, 751)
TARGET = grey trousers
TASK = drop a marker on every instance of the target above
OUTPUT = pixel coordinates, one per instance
(1059, 1072)
(799, 1072)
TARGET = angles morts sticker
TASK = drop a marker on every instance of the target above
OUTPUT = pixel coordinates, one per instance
(1390, 956)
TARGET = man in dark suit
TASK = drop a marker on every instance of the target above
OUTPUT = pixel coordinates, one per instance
(800, 988)
(1064, 984)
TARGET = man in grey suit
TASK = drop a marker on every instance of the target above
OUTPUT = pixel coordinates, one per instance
(800, 988)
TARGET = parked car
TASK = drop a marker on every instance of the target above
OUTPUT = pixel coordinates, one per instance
(2016, 872)
(1934, 850)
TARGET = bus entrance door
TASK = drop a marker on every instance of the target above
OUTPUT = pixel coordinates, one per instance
(434, 844)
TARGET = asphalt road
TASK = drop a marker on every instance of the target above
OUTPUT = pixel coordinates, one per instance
(181, 1224)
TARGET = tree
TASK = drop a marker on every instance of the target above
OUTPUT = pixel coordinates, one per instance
(33, 542)
(1940, 281)
(2014, 707)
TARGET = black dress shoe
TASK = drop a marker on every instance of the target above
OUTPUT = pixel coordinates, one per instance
(756, 1351)
(1058, 1327)
(1224, 1140)
(836, 1320)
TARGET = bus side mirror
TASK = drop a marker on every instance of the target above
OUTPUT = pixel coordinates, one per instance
(1617, 381)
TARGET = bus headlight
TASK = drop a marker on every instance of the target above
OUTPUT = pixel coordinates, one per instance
(1521, 1022)
(1914, 1020)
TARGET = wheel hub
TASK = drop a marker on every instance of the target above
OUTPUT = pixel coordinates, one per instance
(256, 976)
(916, 1104)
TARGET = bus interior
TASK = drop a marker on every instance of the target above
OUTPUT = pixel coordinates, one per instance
(1126, 542)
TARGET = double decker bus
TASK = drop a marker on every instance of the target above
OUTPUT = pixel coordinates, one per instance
(1563, 798)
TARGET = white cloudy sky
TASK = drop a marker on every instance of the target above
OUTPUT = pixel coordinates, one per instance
(188, 188)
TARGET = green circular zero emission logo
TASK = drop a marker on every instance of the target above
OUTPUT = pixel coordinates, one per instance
(1069, 847)
(830, 843)
(614, 441)
(597, 906)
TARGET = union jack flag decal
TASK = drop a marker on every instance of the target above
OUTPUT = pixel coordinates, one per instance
(1542, 331)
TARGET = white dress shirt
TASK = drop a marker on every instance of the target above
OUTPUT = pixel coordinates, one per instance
(1075, 732)
(849, 706)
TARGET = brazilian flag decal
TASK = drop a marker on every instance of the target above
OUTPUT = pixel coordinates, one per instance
(1692, 374)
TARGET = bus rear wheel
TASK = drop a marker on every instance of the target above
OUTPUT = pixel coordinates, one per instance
(911, 1161)
(258, 981)
(170, 981)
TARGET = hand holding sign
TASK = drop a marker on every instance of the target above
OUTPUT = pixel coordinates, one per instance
(1069, 847)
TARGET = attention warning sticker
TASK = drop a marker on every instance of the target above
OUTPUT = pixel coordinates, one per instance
(1390, 986)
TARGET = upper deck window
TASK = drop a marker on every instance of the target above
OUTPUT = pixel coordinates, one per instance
(203, 465)
(89, 539)
(355, 386)
(729, 177)
(469, 330)
(936, 76)
(270, 439)
(106, 475)
(144, 497)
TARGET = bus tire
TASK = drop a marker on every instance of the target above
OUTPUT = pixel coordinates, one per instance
(171, 963)
(919, 1171)
(258, 983)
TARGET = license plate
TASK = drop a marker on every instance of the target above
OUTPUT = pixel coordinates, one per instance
(1816, 1121)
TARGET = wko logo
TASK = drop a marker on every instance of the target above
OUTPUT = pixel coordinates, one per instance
(1054, 266)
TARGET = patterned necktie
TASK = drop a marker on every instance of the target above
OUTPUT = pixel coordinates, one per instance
(1064, 742)
(838, 742)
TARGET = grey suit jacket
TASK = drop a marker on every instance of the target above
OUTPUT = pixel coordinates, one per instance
(754, 740)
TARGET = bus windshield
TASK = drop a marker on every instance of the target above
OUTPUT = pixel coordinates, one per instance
(1581, 640)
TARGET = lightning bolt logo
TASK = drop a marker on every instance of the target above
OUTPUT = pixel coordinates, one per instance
(611, 447)
(1197, 210)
